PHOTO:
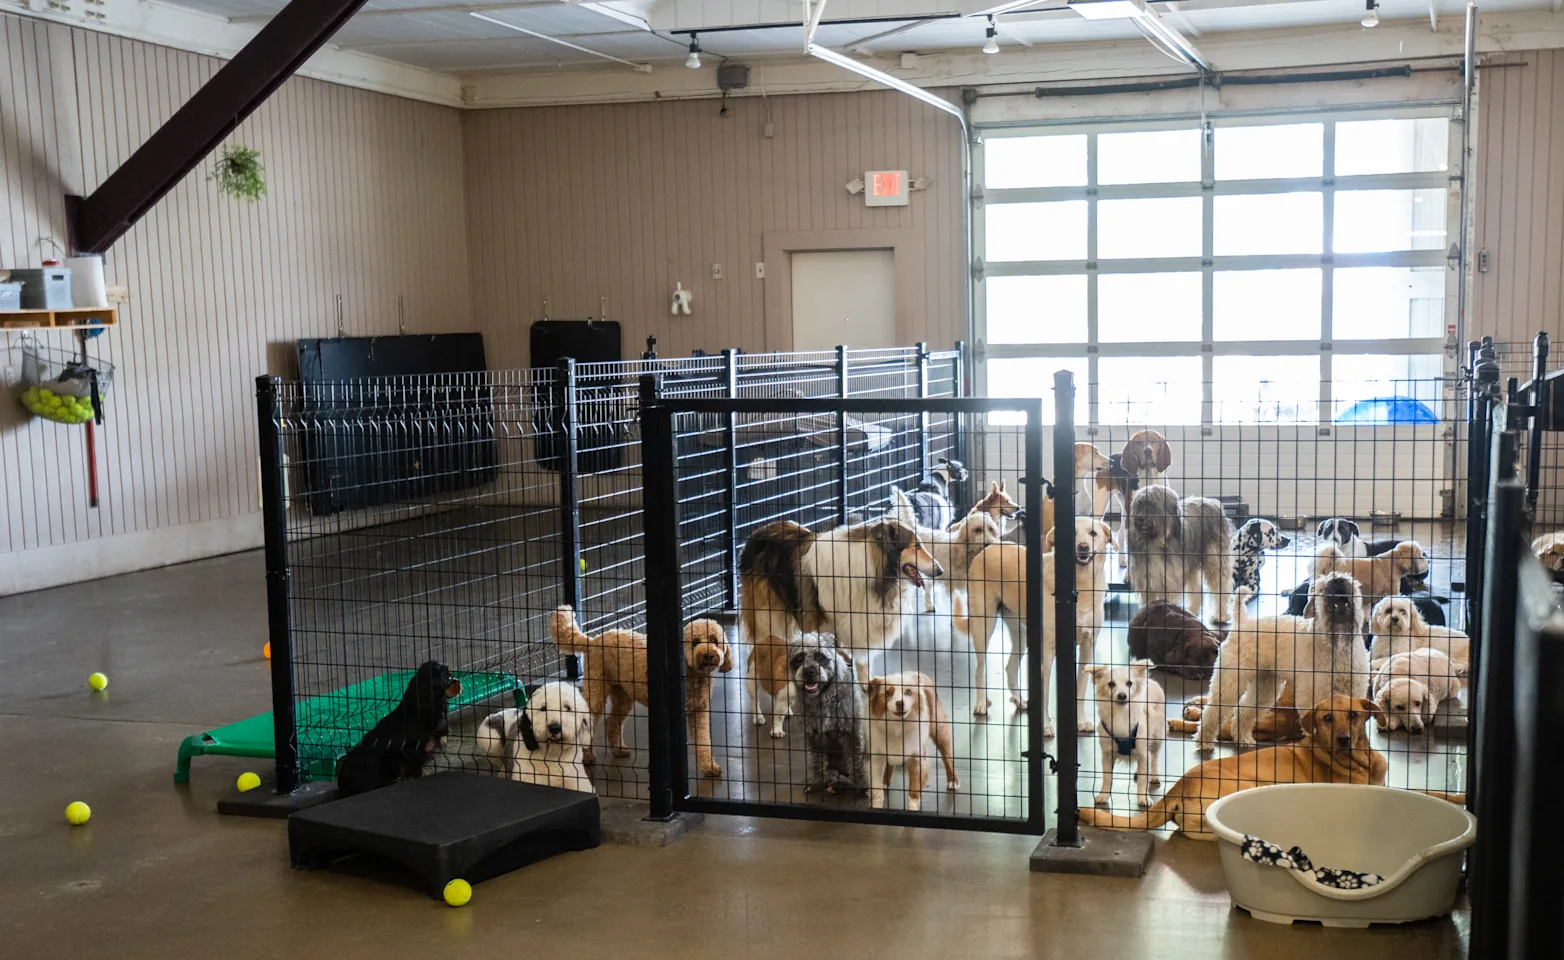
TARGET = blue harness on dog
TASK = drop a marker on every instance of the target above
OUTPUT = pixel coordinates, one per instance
(1126, 745)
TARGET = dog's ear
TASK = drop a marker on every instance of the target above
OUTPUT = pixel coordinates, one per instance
(929, 696)
(1367, 706)
(1140, 668)
(1095, 671)
(1103, 530)
(1382, 702)
(528, 735)
(1162, 455)
(1048, 539)
(998, 486)
(727, 657)
(1309, 721)
(876, 695)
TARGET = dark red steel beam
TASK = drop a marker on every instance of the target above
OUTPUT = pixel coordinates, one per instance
(233, 93)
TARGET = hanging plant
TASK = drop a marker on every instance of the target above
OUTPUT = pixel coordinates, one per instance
(239, 173)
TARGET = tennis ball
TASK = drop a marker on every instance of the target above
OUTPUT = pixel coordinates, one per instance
(267, 649)
(45, 392)
(248, 782)
(78, 813)
(97, 681)
(457, 892)
(583, 564)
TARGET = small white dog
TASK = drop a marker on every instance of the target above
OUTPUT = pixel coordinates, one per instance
(1131, 722)
(542, 743)
(1410, 687)
(1398, 627)
(904, 714)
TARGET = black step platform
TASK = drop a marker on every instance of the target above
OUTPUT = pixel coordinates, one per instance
(448, 826)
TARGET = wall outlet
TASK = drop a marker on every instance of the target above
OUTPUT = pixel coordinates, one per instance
(716, 271)
(760, 270)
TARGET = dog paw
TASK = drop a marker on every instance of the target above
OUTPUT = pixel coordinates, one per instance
(981, 709)
(913, 803)
(714, 771)
(953, 786)
(621, 752)
(1084, 726)
(1048, 731)
(1100, 800)
(588, 756)
(777, 733)
(1143, 802)
(1019, 703)
(759, 720)
(1156, 781)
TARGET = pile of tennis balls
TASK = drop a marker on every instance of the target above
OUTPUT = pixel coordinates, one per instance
(59, 407)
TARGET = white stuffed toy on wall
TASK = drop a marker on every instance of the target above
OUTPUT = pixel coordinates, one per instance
(681, 300)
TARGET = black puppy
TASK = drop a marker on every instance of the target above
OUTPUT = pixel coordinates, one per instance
(399, 746)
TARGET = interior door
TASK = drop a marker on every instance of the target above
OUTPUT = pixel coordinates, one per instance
(844, 297)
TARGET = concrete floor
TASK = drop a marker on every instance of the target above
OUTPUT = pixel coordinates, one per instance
(157, 873)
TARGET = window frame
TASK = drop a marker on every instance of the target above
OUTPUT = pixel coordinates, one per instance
(1328, 185)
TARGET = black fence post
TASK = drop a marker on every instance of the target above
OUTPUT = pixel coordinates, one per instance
(664, 605)
(1065, 599)
(1539, 370)
(1484, 387)
(1036, 613)
(274, 520)
(962, 436)
(730, 360)
(842, 389)
(923, 416)
(569, 506)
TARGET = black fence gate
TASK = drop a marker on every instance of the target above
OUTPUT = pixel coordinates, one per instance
(722, 741)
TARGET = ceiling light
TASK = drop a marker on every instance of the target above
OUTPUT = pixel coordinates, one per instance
(693, 61)
(991, 45)
(1108, 9)
(1371, 13)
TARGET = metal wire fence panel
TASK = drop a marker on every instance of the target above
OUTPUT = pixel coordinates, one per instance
(849, 691)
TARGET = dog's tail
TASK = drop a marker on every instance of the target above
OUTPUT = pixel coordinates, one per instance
(1326, 560)
(1160, 813)
(567, 635)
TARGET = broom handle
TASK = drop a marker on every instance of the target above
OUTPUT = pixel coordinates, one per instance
(92, 467)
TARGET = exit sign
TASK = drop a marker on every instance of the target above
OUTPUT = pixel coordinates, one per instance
(885, 188)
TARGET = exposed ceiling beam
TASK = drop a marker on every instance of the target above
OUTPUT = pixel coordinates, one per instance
(638, 67)
(813, 11)
(195, 129)
(254, 18)
(862, 46)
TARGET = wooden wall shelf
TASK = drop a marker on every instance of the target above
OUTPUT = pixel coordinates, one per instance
(78, 318)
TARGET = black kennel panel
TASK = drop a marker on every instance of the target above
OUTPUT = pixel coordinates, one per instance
(602, 404)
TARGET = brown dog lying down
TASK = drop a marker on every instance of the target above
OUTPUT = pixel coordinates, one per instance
(1334, 750)
(1276, 723)
(1175, 640)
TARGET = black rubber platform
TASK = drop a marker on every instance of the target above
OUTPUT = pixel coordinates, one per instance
(448, 826)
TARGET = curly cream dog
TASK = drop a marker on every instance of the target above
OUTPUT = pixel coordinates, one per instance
(905, 713)
(541, 743)
(1409, 688)
(1398, 627)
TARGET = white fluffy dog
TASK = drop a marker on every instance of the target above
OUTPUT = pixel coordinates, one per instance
(543, 742)
(1131, 722)
(1409, 688)
(1315, 656)
(1398, 627)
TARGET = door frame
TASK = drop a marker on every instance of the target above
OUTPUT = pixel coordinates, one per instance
(906, 249)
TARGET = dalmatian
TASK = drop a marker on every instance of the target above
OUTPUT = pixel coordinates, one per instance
(1249, 544)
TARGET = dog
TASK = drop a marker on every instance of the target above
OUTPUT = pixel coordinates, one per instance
(402, 743)
(612, 676)
(1254, 537)
(1549, 549)
(705, 654)
(1429, 605)
(1174, 543)
(1410, 687)
(931, 497)
(1399, 628)
(1277, 724)
(542, 742)
(1131, 718)
(1314, 656)
(1145, 458)
(997, 589)
(856, 582)
(1175, 640)
(831, 710)
(998, 504)
(1347, 536)
(953, 548)
(905, 712)
(1380, 576)
(1335, 749)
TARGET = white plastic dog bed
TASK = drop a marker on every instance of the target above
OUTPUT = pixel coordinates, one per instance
(1411, 841)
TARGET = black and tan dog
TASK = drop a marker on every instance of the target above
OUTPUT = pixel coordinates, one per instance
(400, 745)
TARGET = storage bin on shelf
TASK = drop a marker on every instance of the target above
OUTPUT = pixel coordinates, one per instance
(60, 385)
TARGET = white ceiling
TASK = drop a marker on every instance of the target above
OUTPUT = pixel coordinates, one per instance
(441, 35)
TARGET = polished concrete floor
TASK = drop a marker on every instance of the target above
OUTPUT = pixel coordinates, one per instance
(157, 873)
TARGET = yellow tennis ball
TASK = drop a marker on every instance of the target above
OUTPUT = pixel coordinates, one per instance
(78, 813)
(583, 564)
(248, 782)
(97, 681)
(458, 892)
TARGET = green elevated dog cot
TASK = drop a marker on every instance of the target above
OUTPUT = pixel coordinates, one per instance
(329, 725)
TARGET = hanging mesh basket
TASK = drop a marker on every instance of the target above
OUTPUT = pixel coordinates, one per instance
(61, 385)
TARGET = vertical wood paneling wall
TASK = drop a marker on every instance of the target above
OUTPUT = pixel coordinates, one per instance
(365, 199)
(621, 201)
(1520, 199)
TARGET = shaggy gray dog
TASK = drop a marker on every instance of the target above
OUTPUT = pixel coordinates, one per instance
(1175, 543)
(832, 713)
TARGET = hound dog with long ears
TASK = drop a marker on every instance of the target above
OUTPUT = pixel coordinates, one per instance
(1348, 537)
(1314, 657)
(831, 710)
(905, 713)
(1146, 456)
(1335, 749)
(542, 742)
(857, 582)
(402, 743)
(1249, 546)
(1410, 688)
(1380, 576)
(931, 498)
(1175, 543)
(1131, 717)
(1398, 627)
(705, 654)
(997, 579)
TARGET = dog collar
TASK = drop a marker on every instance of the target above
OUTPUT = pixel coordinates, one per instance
(1126, 745)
